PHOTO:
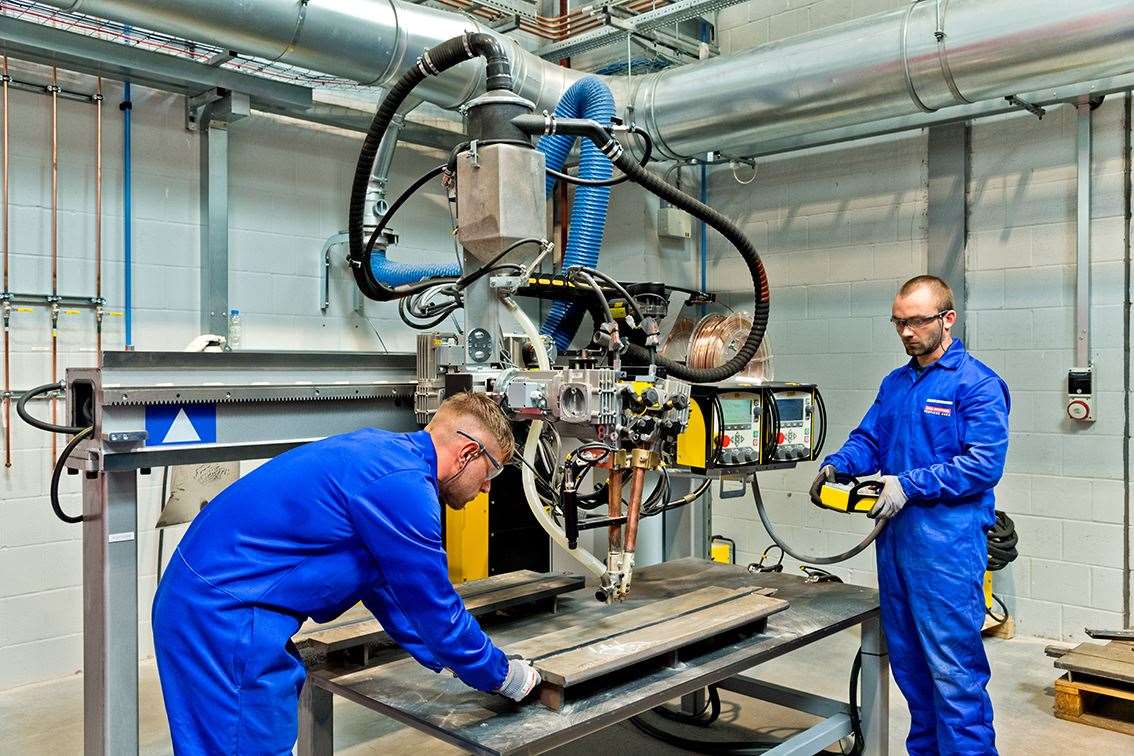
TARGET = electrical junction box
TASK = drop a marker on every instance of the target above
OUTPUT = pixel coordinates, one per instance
(674, 223)
(1080, 395)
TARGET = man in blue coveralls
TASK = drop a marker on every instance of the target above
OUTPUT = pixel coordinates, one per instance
(351, 518)
(938, 433)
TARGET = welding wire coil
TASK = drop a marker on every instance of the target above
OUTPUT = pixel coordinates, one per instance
(717, 338)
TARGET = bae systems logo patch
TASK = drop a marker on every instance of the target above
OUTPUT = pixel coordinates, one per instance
(940, 407)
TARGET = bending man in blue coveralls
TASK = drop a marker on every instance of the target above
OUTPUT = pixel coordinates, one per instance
(350, 518)
(938, 432)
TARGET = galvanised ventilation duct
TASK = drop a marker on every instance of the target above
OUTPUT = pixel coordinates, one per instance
(932, 55)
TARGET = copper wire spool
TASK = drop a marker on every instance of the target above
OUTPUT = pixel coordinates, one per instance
(717, 338)
(676, 344)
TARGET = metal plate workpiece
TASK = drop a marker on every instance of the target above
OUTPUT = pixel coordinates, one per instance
(445, 708)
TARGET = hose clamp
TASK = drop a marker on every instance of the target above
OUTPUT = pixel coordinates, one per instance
(468, 48)
(612, 149)
(548, 123)
(425, 65)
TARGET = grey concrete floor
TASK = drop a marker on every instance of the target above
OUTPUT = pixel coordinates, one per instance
(47, 718)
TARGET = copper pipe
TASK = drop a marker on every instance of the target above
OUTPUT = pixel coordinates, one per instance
(614, 509)
(637, 483)
(98, 223)
(7, 306)
(54, 88)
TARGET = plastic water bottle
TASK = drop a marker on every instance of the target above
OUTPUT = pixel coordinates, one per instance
(234, 329)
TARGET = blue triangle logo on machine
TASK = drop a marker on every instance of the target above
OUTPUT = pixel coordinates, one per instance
(169, 424)
(181, 431)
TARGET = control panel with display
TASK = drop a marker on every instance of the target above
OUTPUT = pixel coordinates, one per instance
(794, 428)
(735, 430)
(739, 434)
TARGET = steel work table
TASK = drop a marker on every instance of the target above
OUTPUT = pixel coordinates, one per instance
(443, 707)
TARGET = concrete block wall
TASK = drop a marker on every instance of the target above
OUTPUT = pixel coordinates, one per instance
(760, 21)
(1064, 481)
(288, 193)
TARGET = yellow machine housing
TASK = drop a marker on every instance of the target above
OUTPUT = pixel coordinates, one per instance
(466, 540)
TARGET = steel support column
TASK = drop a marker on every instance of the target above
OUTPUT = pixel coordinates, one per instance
(211, 114)
(110, 613)
(948, 210)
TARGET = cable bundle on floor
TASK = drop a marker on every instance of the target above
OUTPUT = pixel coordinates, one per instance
(1002, 540)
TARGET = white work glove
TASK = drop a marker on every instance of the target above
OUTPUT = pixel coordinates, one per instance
(826, 474)
(522, 678)
(891, 500)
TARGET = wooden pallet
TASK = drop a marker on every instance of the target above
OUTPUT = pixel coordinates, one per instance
(357, 627)
(993, 629)
(582, 654)
(1112, 661)
(1096, 702)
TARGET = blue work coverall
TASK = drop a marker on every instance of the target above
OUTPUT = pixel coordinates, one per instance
(943, 430)
(308, 534)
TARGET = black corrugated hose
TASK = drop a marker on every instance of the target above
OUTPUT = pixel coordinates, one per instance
(597, 133)
(433, 62)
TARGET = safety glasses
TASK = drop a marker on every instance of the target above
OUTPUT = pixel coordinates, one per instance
(495, 468)
(917, 321)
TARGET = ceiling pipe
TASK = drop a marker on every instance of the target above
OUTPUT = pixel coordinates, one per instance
(932, 55)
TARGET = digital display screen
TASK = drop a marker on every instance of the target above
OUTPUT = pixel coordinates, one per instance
(737, 412)
(791, 410)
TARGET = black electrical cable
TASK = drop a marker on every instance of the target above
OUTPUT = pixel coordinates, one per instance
(647, 152)
(35, 422)
(1002, 540)
(855, 717)
(57, 473)
(433, 62)
(424, 326)
(631, 300)
(809, 558)
(741, 747)
(997, 619)
(533, 124)
(821, 408)
(397, 204)
(470, 278)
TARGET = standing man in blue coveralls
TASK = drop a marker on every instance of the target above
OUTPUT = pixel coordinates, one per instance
(351, 518)
(938, 433)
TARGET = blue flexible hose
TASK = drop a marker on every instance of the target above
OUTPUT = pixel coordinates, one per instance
(587, 98)
(390, 273)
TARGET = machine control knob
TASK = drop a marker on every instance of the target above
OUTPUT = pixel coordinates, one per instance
(679, 401)
(750, 455)
(651, 396)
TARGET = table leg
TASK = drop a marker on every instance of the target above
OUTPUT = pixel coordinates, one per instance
(693, 703)
(110, 613)
(875, 689)
(316, 720)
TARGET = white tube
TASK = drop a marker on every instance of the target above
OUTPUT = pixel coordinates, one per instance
(582, 556)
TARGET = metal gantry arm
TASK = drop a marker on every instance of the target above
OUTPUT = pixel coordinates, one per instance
(255, 405)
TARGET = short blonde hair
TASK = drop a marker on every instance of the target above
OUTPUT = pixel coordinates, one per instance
(484, 412)
(941, 290)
